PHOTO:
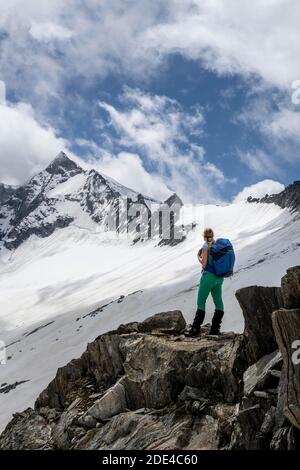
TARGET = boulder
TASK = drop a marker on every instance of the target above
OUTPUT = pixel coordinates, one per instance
(217, 373)
(112, 403)
(165, 322)
(155, 369)
(286, 325)
(258, 304)
(259, 375)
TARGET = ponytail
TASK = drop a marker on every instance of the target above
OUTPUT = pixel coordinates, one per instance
(208, 235)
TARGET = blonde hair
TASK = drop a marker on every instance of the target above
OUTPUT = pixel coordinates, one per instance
(208, 235)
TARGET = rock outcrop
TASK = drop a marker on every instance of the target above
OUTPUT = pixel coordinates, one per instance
(288, 198)
(257, 305)
(146, 386)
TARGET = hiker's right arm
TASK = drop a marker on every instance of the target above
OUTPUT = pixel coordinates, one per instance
(204, 258)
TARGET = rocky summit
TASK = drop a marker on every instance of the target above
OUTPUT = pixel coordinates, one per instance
(146, 386)
(288, 198)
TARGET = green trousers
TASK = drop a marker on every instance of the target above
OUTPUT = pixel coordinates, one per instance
(210, 284)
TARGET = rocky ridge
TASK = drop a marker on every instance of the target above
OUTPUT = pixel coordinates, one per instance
(146, 386)
(55, 198)
(288, 198)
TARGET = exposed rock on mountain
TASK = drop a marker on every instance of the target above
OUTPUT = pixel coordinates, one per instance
(64, 193)
(146, 386)
(288, 198)
(6, 192)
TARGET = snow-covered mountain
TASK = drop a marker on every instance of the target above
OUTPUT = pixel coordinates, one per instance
(66, 278)
(62, 194)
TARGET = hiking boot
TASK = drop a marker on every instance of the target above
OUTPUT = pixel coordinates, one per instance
(196, 327)
(216, 323)
(193, 332)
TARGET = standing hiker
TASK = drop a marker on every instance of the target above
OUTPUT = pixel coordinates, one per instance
(217, 259)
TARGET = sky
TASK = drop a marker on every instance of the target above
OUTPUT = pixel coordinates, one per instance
(197, 97)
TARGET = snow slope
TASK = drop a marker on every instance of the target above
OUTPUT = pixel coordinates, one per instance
(60, 292)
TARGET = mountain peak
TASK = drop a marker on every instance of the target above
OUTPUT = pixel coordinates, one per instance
(62, 164)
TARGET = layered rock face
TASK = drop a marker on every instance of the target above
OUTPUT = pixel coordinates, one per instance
(146, 386)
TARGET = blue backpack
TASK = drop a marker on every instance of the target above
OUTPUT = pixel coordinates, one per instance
(222, 257)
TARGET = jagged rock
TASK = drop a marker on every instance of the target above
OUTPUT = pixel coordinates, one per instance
(27, 431)
(134, 432)
(64, 166)
(257, 304)
(288, 198)
(191, 393)
(290, 287)
(207, 436)
(284, 439)
(142, 387)
(174, 430)
(143, 371)
(128, 328)
(166, 322)
(245, 434)
(155, 370)
(218, 373)
(259, 376)
(111, 404)
(87, 421)
(61, 436)
(269, 421)
(286, 325)
(102, 362)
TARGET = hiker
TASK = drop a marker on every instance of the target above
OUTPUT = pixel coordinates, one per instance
(217, 260)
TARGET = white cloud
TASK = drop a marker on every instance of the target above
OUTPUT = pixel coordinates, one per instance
(49, 31)
(256, 38)
(128, 169)
(249, 38)
(2, 93)
(49, 42)
(283, 124)
(26, 146)
(163, 132)
(260, 163)
(154, 123)
(259, 190)
(278, 122)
